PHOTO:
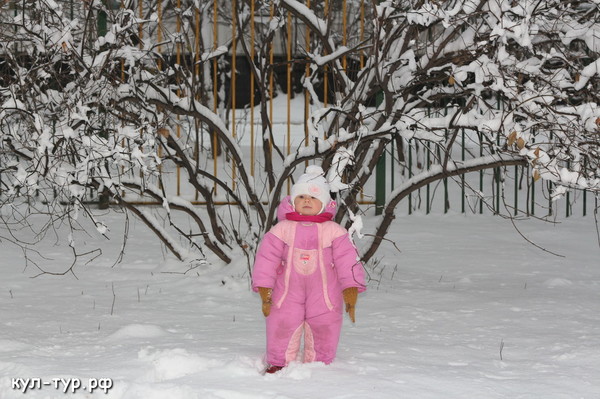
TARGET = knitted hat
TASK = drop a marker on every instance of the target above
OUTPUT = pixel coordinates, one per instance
(312, 183)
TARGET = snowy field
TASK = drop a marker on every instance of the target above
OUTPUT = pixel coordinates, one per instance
(467, 309)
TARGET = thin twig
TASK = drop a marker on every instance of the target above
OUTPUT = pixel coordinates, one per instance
(533, 243)
(112, 308)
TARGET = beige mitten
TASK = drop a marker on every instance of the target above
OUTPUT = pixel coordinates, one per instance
(265, 295)
(350, 297)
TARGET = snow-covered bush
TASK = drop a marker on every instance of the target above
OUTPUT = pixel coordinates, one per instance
(88, 110)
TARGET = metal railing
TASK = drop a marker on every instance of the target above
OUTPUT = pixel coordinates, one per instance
(211, 31)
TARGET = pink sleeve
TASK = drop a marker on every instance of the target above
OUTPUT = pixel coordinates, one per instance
(285, 206)
(347, 263)
(269, 257)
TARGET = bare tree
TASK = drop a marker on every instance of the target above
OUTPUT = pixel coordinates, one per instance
(110, 111)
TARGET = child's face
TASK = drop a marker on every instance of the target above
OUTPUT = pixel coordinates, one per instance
(307, 205)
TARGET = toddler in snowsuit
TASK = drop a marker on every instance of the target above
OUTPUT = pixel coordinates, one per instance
(306, 268)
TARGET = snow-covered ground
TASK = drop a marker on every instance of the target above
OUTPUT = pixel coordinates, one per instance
(467, 309)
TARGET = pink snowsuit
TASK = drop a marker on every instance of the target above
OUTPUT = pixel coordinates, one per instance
(308, 265)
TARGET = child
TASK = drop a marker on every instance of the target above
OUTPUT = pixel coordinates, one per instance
(305, 266)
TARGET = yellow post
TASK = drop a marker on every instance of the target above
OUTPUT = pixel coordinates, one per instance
(199, 92)
(362, 58)
(178, 58)
(215, 92)
(122, 122)
(306, 93)
(289, 87)
(271, 72)
(141, 45)
(159, 64)
(344, 32)
(362, 32)
(197, 43)
(252, 88)
(141, 27)
(159, 31)
(325, 69)
(233, 82)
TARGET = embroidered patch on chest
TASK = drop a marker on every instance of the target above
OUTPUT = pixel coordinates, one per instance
(305, 260)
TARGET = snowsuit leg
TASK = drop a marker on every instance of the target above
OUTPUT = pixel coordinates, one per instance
(324, 332)
(284, 331)
(304, 311)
